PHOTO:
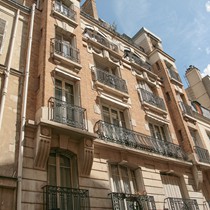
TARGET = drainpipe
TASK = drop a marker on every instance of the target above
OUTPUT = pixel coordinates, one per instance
(7, 72)
(23, 113)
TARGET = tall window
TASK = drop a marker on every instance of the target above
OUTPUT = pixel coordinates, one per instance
(62, 169)
(2, 32)
(157, 131)
(113, 116)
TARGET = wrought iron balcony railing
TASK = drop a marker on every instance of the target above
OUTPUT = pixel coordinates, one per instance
(137, 60)
(65, 49)
(110, 80)
(139, 141)
(203, 154)
(132, 201)
(64, 10)
(62, 112)
(102, 40)
(152, 99)
(174, 75)
(186, 109)
(180, 203)
(57, 198)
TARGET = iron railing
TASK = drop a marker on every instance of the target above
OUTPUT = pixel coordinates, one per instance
(65, 49)
(132, 201)
(139, 141)
(180, 204)
(62, 112)
(174, 75)
(64, 10)
(137, 60)
(64, 198)
(110, 80)
(186, 109)
(152, 99)
(203, 154)
(102, 40)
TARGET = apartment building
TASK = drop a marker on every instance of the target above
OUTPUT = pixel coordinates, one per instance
(198, 86)
(108, 124)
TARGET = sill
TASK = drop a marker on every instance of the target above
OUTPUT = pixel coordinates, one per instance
(188, 118)
(176, 81)
(59, 59)
(63, 17)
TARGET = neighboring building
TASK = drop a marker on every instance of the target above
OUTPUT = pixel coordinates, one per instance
(14, 58)
(198, 87)
(108, 123)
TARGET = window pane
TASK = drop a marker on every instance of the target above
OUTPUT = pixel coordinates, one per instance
(151, 130)
(157, 132)
(69, 93)
(58, 89)
(125, 179)
(2, 29)
(52, 170)
(116, 178)
(65, 173)
(122, 118)
(115, 119)
(134, 181)
(106, 115)
(163, 133)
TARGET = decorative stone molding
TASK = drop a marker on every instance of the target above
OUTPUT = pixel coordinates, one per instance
(198, 177)
(43, 141)
(86, 156)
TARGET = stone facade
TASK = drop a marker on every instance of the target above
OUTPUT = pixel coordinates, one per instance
(108, 124)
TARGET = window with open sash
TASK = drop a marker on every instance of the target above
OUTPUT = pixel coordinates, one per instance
(2, 32)
(157, 131)
(62, 190)
(62, 169)
(113, 116)
(65, 44)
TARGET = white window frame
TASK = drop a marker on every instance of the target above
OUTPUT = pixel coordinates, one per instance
(110, 108)
(163, 131)
(3, 35)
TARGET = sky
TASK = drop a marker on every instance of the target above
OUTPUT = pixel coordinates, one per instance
(182, 25)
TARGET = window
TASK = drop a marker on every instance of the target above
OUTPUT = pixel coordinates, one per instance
(143, 85)
(172, 186)
(65, 105)
(113, 116)
(2, 32)
(123, 179)
(196, 138)
(62, 169)
(127, 185)
(157, 131)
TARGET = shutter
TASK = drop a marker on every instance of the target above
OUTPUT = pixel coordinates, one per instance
(171, 186)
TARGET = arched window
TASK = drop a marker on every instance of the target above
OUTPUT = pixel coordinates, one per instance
(62, 169)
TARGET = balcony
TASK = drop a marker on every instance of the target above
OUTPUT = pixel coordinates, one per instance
(64, 52)
(134, 58)
(68, 114)
(57, 198)
(174, 75)
(139, 141)
(101, 40)
(110, 80)
(203, 154)
(62, 9)
(180, 203)
(187, 111)
(132, 201)
(152, 99)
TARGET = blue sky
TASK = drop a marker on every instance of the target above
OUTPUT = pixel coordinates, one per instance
(182, 25)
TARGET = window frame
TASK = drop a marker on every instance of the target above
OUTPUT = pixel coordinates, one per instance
(74, 182)
(3, 35)
(163, 131)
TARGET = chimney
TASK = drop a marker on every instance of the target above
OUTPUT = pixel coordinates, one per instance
(89, 7)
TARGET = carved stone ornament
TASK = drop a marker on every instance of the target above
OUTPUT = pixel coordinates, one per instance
(86, 156)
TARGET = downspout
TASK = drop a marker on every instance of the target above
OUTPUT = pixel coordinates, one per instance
(7, 72)
(23, 113)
